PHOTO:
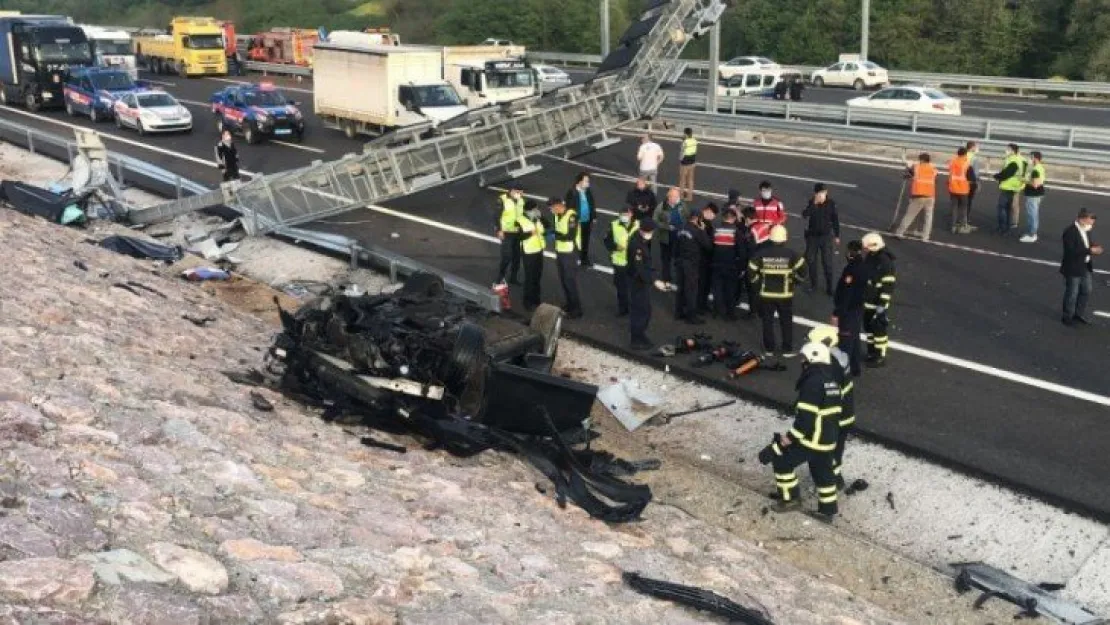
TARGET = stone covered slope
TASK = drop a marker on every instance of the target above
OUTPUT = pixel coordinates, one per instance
(139, 485)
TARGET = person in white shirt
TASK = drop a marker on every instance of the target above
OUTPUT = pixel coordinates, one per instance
(649, 158)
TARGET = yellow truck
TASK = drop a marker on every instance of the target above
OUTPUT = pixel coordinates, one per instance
(194, 46)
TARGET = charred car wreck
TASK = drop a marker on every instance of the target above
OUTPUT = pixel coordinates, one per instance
(426, 362)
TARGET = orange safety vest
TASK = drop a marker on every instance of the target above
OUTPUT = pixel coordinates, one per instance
(957, 176)
(924, 180)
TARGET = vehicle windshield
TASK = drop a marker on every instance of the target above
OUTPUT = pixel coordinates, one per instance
(112, 81)
(510, 79)
(265, 98)
(870, 65)
(63, 53)
(934, 94)
(205, 42)
(112, 48)
(152, 100)
(432, 96)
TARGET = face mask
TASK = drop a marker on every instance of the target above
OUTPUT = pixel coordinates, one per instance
(647, 236)
(765, 195)
(1086, 227)
(625, 219)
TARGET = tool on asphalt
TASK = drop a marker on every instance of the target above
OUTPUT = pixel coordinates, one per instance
(744, 364)
(697, 598)
(720, 353)
(691, 344)
(671, 415)
(897, 207)
(1033, 599)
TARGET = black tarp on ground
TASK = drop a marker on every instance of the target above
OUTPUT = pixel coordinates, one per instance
(35, 201)
(138, 248)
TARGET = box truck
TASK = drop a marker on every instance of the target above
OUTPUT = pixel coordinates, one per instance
(373, 89)
(194, 46)
(36, 52)
(112, 48)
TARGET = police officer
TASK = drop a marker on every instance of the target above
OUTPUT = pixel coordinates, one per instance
(227, 157)
(567, 244)
(745, 237)
(848, 305)
(1011, 180)
(877, 299)
(705, 279)
(532, 244)
(640, 282)
(840, 368)
(616, 241)
(774, 270)
(726, 250)
(693, 243)
(511, 205)
(822, 235)
(813, 436)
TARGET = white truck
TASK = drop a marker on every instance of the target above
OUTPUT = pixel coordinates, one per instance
(373, 89)
(112, 48)
(487, 75)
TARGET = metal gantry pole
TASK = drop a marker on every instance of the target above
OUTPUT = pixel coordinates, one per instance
(714, 67)
(864, 28)
(604, 28)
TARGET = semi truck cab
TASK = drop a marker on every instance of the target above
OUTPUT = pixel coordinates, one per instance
(36, 53)
(112, 48)
(493, 82)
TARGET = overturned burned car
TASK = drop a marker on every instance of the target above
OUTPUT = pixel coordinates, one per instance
(427, 362)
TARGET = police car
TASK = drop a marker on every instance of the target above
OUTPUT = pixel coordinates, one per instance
(94, 91)
(257, 111)
(149, 110)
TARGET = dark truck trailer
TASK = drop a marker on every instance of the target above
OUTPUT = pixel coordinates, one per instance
(36, 52)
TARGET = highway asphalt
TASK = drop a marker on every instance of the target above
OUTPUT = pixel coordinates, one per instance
(984, 376)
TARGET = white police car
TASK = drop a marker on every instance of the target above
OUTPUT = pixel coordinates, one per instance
(152, 111)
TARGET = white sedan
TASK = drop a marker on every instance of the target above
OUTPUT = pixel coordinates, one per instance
(910, 99)
(152, 111)
(745, 64)
(551, 78)
(856, 74)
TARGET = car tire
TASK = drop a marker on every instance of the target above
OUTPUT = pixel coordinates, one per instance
(220, 125)
(119, 122)
(250, 133)
(94, 117)
(72, 112)
(547, 321)
(818, 82)
(139, 127)
(858, 85)
(423, 284)
(465, 360)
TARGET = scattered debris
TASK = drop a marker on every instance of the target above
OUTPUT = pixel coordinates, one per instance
(140, 285)
(697, 598)
(857, 486)
(630, 404)
(200, 322)
(260, 402)
(199, 274)
(126, 287)
(372, 442)
(59, 208)
(139, 248)
(671, 415)
(1034, 600)
(80, 264)
(890, 500)
(955, 536)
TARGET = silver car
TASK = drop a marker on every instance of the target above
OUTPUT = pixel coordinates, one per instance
(551, 78)
(152, 111)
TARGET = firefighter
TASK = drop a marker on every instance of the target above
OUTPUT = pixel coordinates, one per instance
(227, 157)
(705, 278)
(567, 244)
(774, 271)
(511, 205)
(692, 244)
(848, 305)
(769, 209)
(877, 298)
(532, 245)
(616, 241)
(813, 436)
(841, 369)
(726, 249)
(640, 281)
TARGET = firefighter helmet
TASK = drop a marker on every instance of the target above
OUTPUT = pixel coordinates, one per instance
(816, 353)
(824, 334)
(873, 242)
(779, 234)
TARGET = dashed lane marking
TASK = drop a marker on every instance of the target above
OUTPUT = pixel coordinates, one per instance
(1102, 314)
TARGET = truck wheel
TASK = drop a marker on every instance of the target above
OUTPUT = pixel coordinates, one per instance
(818, 82)
(349, 130)
(32, 102)
(858, 84)
(547, 321)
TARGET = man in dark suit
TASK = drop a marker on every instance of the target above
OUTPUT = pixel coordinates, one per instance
(1077, 267)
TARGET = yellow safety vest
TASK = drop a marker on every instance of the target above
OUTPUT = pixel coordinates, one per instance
(689, 146)
(562, 228)
(511, 212)
(621, 234)
(1017, 181)
(1039, 168)
(535, 242)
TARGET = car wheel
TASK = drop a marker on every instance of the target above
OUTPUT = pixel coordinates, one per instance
(139, 127)
(94, 117)
(818, 82)
(119, 122)
(858, 84)
(72, 112)
(466, 358)
(547, 321)
(250, 134)
(220, 125)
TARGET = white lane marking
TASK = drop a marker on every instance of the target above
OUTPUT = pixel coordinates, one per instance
(1102, 314)
(1002, 374)
(240, 82)
(831, 183)
(285, 143)
(993, 108)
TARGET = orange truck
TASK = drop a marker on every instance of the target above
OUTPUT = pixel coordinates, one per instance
(292, 46)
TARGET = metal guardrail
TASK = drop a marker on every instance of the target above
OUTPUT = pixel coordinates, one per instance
(281, 69)
(968, 127)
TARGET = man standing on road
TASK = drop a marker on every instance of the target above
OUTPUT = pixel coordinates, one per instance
(649, 157)
(1034, 193)
(923, 196)
(511, 204)
(774, 270)
(822, 235)
(642, 199)
(693, 244)
(848, 305)
(532, 245)
(620, 232)
(580, 199)
(640, 282)
(877, 299)
(746, 240)
(960, 177)
(769, 209)
(1011, 180)
(977, 165)
(227, 157)
(687, 165)
(726, 246)
(567, 246)
(1077, 267)
(705, 279)
(669, 218)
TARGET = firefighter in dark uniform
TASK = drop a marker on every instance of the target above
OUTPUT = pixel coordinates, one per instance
(692, 244)
(877, 299)
(841, 368)
(640, 279)
(705, 277)
(848, 305)
(724, 272)
(812, 438)
(533, 241)
(616, 241)
(567, 243)
(511, 208)
(775, 270)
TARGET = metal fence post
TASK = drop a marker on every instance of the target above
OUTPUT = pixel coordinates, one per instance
(1071, 137)
(177, 185)
(30, 141)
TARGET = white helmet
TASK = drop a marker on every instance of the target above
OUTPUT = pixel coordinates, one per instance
(873, 242)
(779, 234)
(824, 334)
(816, 353)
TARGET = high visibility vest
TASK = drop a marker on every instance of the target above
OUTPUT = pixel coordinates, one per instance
(621, 235)
(958, 183)
(1017, 181)
(1039, 169)
(924, 180)
(511, 212)
(562, 228)
(534, 242)
(689, 146)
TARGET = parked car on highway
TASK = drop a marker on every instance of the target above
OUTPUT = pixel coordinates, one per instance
(859, 75)
(744, 64)
(150, 110)
(753, 82)
(911, 99)
(94, 91)
(257, 111)
(551, 78)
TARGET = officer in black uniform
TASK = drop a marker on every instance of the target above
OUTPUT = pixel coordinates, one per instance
(822, 235)
(746, 246)
(692, 245)
(774, 271)
(877, 299)
(705, 278)
(724, 270)
(640, 280)
(227, 157)
(812, 438)
(848, 305)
